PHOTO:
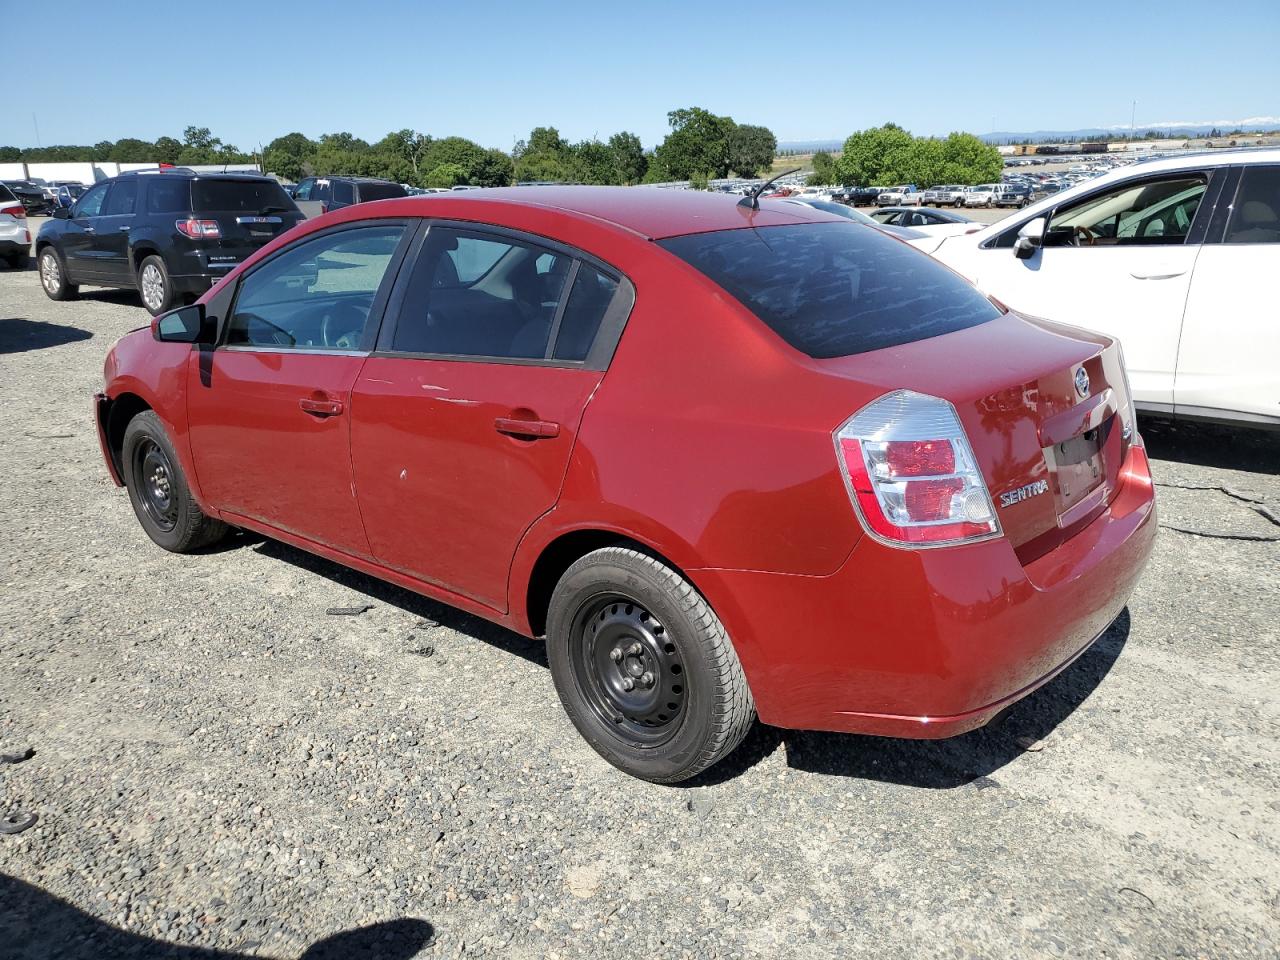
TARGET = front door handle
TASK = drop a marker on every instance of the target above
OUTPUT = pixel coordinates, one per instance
(89, 230)
(534, 429)
(124, 229)
(321, 408)
(1166, 272)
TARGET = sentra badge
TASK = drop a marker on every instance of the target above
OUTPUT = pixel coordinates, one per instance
(1010, 497)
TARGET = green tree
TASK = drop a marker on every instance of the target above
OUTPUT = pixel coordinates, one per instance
(465, 153)
(628, 157)
(130, 150)
(593, 162)
(494, 169)
(10, 154)
(967, 159)
(446, 175)
(824, 170)
(167, 150)
(406, 145)
(343, 141)
(698, 143)
(699, 181)
(875, 157)
(288, 156)
(751, 149)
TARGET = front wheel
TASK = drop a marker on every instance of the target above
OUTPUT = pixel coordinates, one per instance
(158, 489)
(53, 276)
(644, 667)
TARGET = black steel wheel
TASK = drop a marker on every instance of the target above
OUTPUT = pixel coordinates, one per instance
(644, 667)
(159, 492)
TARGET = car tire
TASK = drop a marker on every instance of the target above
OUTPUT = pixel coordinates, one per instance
(18, 261)
(158, 489)
(644, 667)
(155, 287)
(53, 275)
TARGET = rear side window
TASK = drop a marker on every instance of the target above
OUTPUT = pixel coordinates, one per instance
(168, 196)
(1255, 216)
(122, 198)
(589, 300)
(380, 191)
(835, 289)
(239, 196)
(343, 192)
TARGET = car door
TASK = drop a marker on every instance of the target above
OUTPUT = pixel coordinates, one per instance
(1117, 260)
(1229, 353)
(77, 239)
(110, 242)
(464, 417)
(269, 406)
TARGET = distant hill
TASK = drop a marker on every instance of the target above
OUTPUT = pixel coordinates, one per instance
(811, 146)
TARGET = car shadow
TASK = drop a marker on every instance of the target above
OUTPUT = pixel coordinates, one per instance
(935, 764)
(1211, 444)
(121, 295)
(535, 651)
(19, 335)
(36, 924)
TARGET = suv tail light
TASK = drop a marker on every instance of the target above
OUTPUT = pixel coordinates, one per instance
(17, 212)
(912, 475)
(200, 229)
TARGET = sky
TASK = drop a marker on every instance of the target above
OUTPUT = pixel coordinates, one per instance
(491, 71)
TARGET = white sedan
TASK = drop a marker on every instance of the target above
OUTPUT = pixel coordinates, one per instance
(1176, 257)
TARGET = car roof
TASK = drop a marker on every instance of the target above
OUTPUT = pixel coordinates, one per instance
(652, 212)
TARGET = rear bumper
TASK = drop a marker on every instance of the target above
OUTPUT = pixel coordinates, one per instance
(932, 643)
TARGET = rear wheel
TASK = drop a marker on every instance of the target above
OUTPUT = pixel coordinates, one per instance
(644, 667)
(155, 287)
(53, 276)
(159, 492)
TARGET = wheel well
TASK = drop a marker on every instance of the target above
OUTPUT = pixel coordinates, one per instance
(562, 553)
(123, 409)
(139, 254)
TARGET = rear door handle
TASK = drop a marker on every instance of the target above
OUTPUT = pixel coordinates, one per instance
(1157, 273)
(535, 429)
(321, 408)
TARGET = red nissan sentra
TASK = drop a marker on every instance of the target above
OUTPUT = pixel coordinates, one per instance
(728, 461)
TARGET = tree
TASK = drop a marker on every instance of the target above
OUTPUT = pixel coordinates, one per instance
(751, 149)
(406, 145)
(494, 169)
(343, 141)
(824, 169)
(967, 159)
(446, 175)
(593, 162)
(288, 156)
(697, 144)
(628, 157)
(167, 150)
(889, 155)
(130, 150)
(10, 154)
(873, 157)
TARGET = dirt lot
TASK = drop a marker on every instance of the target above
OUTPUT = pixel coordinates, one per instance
(219, 764)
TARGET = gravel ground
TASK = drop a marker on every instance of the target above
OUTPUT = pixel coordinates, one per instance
(221, 769)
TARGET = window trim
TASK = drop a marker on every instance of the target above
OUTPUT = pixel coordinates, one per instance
(376, 310)
(608, 334)
(1221, 225)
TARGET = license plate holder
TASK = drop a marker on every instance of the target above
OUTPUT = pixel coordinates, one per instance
(1079, 468)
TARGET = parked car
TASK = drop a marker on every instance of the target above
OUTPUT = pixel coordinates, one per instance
(31, 197)
(334, 193)
(1013, 195)
(15, 238)
(707, 521)
(1174, 257)
(68, 193)
(983, 195)
(907, 194)
(857, 216)
(926, 225)
(170, 235)
(937, 196)
(860, 196)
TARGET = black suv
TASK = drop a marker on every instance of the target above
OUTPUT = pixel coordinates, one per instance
(170, 234)
(333, 193)
(31, 197)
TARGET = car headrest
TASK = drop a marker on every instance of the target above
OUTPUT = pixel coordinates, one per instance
(1256, 213)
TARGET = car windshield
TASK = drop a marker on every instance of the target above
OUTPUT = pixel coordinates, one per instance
(381, 191)
(835, 289)
(233, 196)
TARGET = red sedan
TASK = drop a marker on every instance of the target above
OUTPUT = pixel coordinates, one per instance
(728, 461)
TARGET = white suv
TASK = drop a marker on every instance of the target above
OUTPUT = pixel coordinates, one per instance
(1176, 257)
(15, 240)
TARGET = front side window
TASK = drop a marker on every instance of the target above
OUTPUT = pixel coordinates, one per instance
(303, 191)
(344, 192)
(835, 289)
(1255, 216)
(1147, 212)
(318, 294)
(481, 295)
(90, 204)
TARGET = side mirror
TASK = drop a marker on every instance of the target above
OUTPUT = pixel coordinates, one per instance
(184, 325)
(62, 213)
(1029, 238)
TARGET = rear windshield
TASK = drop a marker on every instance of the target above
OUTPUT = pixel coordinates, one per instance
(835, 289)
(239, 196)
(380, 191)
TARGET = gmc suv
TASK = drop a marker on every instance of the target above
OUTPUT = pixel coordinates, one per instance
(171, 234)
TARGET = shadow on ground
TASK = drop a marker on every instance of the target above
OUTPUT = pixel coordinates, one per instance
(35, 924)
(18, 335)
(1212, 445)
(931, 764)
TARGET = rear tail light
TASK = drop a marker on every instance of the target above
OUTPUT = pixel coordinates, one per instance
(17, 212)
(200, 229)
(912, 475)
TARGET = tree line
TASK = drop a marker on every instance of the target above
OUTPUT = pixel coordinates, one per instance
(700, 145)
(888, 155)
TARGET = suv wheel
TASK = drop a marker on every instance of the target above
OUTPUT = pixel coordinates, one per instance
(154, 286)
(53, 276)
(159, 492)
(644, 667)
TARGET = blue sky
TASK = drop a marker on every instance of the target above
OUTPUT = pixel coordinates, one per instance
(491, 71)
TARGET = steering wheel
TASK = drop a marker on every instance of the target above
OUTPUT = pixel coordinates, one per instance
(1090, 238)
(279, 336)
(341, 326)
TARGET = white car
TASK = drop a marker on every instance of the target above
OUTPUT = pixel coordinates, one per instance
(983, 195)
(15, 240)
(896, 196)
(1176, 257)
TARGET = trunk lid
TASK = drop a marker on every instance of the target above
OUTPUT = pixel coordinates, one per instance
(250, 212)
(1043, 405)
